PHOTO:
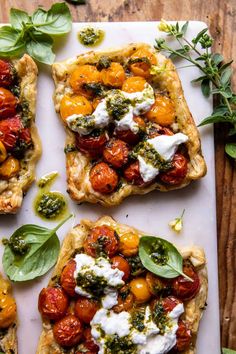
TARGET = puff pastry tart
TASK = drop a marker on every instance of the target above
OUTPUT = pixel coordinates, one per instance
(101, 299)
(129, 129)
(19, 141)
(8, 338)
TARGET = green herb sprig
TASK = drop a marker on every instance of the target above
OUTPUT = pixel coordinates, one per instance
(228, 351)
(33, 34)
(216, 73)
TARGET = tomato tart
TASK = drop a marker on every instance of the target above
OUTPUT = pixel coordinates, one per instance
(128, 126)
(19, 141)
(102, 299)
(8, 320)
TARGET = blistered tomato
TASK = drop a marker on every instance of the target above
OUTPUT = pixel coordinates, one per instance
(177, 173)
(162, 111)
(6, 77)
(132, 174)
(92, 144)
(144, 59)
(8, 103)
(125, 300)
(122, 264)
(67, 279)
(134, 84)
(85, 309)
(8, 310)
(183, 336)
(184, 288)
(103, 178)
(116, 153)
(129, 243)
(9, 131)
(53, 303)
(83, 75)
(130, 137)
(89, 341)
(114, 75)
(68, 331)
(74, 105)
(139, 289)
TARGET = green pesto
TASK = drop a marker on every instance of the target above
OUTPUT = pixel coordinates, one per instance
(47, 179)
(92, 284)
(90, 36)
(136, 266)
(103, 63)
(50, 205)
(159, 317)
(120, 345)
(69, 148)
(138, 320)
(17, 245)
(159, 253)
(117, 105)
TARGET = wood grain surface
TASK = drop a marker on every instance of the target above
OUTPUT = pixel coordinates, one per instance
(220, 16)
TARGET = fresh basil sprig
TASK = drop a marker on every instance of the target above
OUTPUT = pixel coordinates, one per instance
(39, 255)
(161, 257)
(32, 34)
(215, 78)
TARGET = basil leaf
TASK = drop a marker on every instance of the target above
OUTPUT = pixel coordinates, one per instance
(10, 45)
(18, 18)
(43, 249)
(230, 149)
(56, 21)
(172, 265)
(39, 46)
(228, 351)
(214, 119)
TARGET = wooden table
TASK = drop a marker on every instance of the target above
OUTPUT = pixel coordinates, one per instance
(220, 16)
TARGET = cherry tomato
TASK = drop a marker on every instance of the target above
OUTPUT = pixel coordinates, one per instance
(89, 341)
(67, 279)
(85, 309)
(103, 178)
(132, 174)
(162, 111)
(9, 168)
(134, 84)
(53, 303)
(116, 153)
(129, 243)
(82, 75)
(8, 103)
(125, 300)
(185, 289)
(114, 75)
(130, 137)
(68, 331)
(156, 285)
(8, 310)
(122, 264)
(74, 105)
(183, 336)
(25, 135)
(156, 131)
(6, 77)
(169, 303)
(101, 238)
(142, 68)
(139, 289)
(9, 131)
(92, 144)
(177, 173)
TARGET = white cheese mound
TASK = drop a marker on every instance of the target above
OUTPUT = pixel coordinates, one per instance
(141, 101)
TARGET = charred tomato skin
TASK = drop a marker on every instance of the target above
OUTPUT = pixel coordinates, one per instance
(177, 173)
(8, 103)
(68, 331)
(85, 309)
(91, 145)
(53, 303)
(89, 342)
(132, 174)
(116, 153)
(183, 336)
(183, 288)
(67, 279)
(103, 178)
(6, 77)
(122, 264)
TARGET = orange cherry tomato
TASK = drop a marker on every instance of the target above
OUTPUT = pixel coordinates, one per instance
(184, 288)
(68, 331)
(6, 77)
(139, 288)
(74, 105)
(116, 153)
(134, 84)
(8, 310)
(101, 238)
(132, 174)
(130, 137)
(129, 243)
(177, 173)
(53, 303)
(67, 279)
(92, 144)
(82, 75)
(156, 285)
(183, 336)
(103, 178)
(162, 111)
(122, 264)
(125, 300)
(114, 75)
(85, 309)
(142, 68)
(8, 103)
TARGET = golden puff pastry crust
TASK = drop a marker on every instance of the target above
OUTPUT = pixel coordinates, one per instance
(12, 190)
(78, 165)
(74, 240)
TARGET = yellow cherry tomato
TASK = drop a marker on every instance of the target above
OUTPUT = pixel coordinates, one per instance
(7, 304)
(140, 290)
(129, 243)
(74, 105)
(142, 68)
(134, 84)
(84, 74)
(114, 75)
(9, 168)
(3, 152)
(162, 111)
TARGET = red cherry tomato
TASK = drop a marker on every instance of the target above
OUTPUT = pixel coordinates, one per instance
(68, 331)
(132, 174)
(122, 264)
(154, 131)
(67, 279)
(184, 288)
(85, 309)
(25, 135)
(183, 336)
(89, 341)
(125, 300)
(6, 77)
(177, 173)
(91, 144)
(128, 136)
(101, 238)
(169, 303)
(103, 178)
(116, 153)
(8, 103)
(52, 303)
(9, 131)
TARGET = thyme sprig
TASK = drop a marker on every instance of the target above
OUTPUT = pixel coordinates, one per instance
(216, 73)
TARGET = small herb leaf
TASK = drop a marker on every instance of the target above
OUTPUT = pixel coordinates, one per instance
(217, 58)
(10, 45)
(228, 351)
(214, 119)
(230, 149)
(39, 46)
(18, 18)
(205, 87)
(225, 76)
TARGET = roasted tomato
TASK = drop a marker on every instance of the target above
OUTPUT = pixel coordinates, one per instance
(114, 75)
(92, 144)
(8, 310)
(103, 178)
(89, 342)
(9, 131)
(134, 84)
(156, 285)
(8, 103)
(183, 336)
(53, 303)
(9, 168)
(156, 131)
(140, 290)
(122, 264)
(68, 331)
(101, 238)
(129, 243)
(3, 152)
(162, 111)
(6, 77)
(184, 288)
(116, 153)
(74, 105)
(85, 309)
(177, 173)
(84, 74)
(132, 174)
(144, 59)
(169, 303)
(125, 300)
(67, 279)
(130, 137)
